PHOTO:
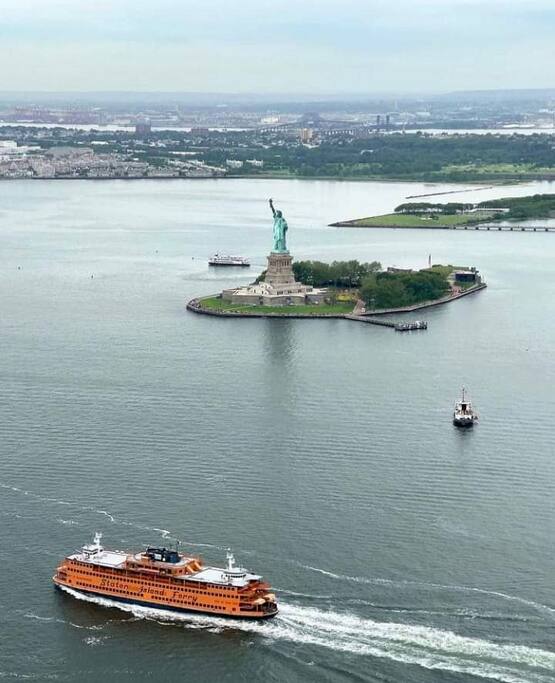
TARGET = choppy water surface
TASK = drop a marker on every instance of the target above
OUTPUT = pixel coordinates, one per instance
(321, 451)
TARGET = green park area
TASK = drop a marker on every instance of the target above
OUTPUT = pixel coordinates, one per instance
(336, 308)
(497, 171)
(456, 214)
(458, 158)
(397, 220)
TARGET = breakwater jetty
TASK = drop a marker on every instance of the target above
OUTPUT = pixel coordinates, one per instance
(436, 194)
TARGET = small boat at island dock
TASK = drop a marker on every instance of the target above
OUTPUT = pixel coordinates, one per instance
(221, 260)
(407, 327)
(399, 327)
(464, 414)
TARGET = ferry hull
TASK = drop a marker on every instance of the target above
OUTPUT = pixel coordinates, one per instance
(463, 423)
(229, 265)
(157, 605)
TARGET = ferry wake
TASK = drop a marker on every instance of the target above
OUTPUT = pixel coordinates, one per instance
(167, 579)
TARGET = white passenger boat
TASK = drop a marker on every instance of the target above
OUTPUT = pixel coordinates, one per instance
(221, 260)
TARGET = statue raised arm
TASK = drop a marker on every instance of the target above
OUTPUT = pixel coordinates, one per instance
(272, 207)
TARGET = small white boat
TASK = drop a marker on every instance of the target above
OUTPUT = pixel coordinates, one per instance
(221, 260)
(464, 414)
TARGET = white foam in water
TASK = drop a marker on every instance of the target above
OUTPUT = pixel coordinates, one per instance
(104, 512)
(459, 589)
(423, 646)
(165, 533)
(427, 647)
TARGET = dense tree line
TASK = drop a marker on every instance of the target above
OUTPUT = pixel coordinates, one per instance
(394, 156)
(393, 290)
(346, 274)
(522, 208)
(449, 208)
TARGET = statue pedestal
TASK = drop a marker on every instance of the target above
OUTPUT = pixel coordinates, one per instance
(279, 287)
(279, 273)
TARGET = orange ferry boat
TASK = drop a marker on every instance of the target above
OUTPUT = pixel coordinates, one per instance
(166, 579)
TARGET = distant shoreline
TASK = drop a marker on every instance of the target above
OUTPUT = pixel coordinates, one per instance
(126, 177)
(487, 183)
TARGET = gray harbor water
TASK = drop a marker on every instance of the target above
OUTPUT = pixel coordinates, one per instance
(322, 452)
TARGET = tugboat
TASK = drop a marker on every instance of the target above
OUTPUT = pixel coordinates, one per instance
(166, 579)
(464, 415)
(220, 260)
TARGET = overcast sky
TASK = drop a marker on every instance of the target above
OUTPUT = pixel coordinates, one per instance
(287, 46)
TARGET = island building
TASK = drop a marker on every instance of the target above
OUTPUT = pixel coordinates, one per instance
(279, 287)
(466, 276)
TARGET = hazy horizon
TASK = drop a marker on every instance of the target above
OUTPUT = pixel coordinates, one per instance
(339, 48)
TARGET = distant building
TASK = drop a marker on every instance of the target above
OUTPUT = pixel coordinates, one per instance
(490, 210)
(9, 150)
(257, 163)
(143, 127)
(65, 151)
(306, 134)
(465, 276)
(234, 163)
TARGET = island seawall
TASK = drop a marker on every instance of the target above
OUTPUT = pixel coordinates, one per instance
(195, 306)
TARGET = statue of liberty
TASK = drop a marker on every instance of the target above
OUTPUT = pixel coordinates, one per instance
(280, 231)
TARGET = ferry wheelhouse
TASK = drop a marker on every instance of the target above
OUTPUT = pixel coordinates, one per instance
(166, 579)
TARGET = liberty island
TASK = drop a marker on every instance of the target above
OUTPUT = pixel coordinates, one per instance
(277, 293)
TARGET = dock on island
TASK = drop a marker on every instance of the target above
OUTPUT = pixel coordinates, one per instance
(399, 327)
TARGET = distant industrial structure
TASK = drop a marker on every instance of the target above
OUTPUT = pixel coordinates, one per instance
(143, 127)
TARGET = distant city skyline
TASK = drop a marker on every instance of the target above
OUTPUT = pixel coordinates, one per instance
(342, 47)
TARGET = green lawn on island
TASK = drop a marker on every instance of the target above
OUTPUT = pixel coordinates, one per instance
(217, 304)
(405, 220)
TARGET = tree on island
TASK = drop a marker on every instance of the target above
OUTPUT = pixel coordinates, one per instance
(449, 209)
(523, 208)
(393, 290)
(342, 274)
